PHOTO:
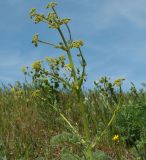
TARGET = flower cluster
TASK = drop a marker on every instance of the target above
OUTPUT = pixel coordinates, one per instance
(38, 18)
(51, 5)
(36, 66)
(68, 66)
(54, 21)
(32, 13)
(35, 40)
(77, 44)
(118, 82)
(65, 21)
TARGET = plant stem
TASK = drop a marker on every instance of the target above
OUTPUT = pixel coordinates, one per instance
(107, 126)
(78, 89)
(69, 55)
(48, 43)
(70, 37)
(65, 43)
(83, 66)
(85, 123)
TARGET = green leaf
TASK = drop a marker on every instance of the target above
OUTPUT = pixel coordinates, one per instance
(68, 155)
(100, 155)
(64, 137)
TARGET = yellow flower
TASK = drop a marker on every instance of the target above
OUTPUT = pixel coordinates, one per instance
(13, 90)
(65, 20)
(115, 138)
(32, 12)
(51, 5)
(36, 65)
(118, 82)
(35, 93)
(78, 44)
(35, 40)
(38, 18)
(68, 66)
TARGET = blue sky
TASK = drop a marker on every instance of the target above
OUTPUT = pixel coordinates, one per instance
(114, 33)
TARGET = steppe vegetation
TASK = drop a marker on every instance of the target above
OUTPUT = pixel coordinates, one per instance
(54, 118)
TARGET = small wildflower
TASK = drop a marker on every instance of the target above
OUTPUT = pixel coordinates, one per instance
(32, 12)
(76, 86)
(13, 90)
(116, 138)
(51, 5)
(65, 20)
(36, 65)
(78, 44)
(54, 25)
(23, 70)
(68, 66)
(51, 60)
(62, 57)
(35, 93)
(38, 18)
(118, 82)
(35, 40)
(51, 16)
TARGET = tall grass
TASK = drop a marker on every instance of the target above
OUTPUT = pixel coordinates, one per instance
(54, 118)
(28, 123)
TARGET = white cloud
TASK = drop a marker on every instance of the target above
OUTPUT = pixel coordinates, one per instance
(132, 10)
(105, 14)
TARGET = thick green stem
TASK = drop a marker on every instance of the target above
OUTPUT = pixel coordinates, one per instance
(85, 124)
(78, 91)
(69, 55)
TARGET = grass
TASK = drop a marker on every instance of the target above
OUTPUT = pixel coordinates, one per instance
(55, 119)
(28, 123)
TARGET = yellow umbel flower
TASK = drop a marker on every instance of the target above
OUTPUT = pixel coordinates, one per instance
(78, 44)
(65, 20)
(118, 82)
(68, 66)
(36, 65)
(38, 18)
(51, 5)
(116, 138)
(35, 40)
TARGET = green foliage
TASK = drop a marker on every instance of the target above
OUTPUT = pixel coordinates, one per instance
(68, 155)
(54, 118)
(101, 155)
(30, 127)
(65, 137)
(56, 73)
